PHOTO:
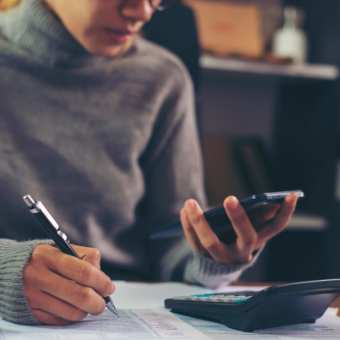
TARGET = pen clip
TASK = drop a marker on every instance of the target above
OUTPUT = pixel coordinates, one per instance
(43, 210)
(37, 207)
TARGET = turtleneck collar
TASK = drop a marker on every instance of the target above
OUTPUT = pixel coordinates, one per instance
(34, 28)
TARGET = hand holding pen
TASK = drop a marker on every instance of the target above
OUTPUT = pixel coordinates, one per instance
(61, 288)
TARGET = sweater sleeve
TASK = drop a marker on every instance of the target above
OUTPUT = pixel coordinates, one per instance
(205, 271)
(173, 170)
(13, 259)
(178, 262)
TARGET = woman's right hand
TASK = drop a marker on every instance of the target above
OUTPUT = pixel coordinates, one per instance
(60, 288)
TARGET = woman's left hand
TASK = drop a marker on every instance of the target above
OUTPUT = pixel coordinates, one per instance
(204, 241)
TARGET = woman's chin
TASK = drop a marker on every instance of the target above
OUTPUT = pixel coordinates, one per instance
(105, 50)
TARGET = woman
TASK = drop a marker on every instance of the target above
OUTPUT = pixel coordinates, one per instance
(99, 125)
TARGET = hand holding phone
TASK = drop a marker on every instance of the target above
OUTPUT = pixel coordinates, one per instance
(230, 234)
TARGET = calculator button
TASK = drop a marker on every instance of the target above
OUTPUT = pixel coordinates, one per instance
(216, 299)
(228, 300)
(241, 297)
(230, 296)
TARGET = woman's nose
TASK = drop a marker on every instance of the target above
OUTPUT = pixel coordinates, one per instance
(138, 10)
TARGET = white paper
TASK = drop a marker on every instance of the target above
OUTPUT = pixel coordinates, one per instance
(135, 324)
(144, 317)
(150, 295)
(129, 295)
(326, 328)
(153, 295)
(332, 311)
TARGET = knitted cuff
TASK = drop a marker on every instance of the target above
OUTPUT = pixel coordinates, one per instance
(207, 272)
(13, 259)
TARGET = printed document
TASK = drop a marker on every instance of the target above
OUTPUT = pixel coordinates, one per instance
(326, 328)
(143, 316)
(133, 325)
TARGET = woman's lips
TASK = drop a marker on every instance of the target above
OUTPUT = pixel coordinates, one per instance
(118, 36)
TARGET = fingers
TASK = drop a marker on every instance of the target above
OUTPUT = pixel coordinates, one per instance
(60, 309)
(44, 280)
(51, 294)
(78, 270)
(90, 255)
(48, 318)
(200, 235)
(77, 295)
(279, 222)
(203, 240)
(246, 234)
(190, 233)
(263, 216)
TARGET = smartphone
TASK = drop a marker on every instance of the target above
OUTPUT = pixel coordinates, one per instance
(219, 221)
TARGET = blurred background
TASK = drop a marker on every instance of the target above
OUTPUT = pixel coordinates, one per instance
(267, 84)
(267, 92)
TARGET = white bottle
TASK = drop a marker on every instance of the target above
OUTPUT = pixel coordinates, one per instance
(291, 41)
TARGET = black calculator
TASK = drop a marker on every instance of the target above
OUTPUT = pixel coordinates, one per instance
(271, 307)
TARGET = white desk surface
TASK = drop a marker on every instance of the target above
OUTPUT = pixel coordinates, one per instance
(143, 317)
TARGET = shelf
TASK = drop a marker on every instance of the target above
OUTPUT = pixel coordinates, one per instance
(306, 71)
(307, 222)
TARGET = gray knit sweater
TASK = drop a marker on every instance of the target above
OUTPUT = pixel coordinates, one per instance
(109, 146)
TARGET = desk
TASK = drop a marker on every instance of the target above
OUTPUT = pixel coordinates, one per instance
(143, 317)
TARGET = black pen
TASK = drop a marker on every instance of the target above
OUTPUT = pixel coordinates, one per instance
(52, 228)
